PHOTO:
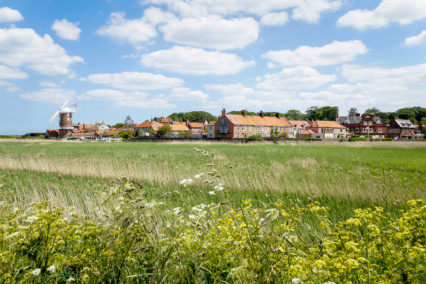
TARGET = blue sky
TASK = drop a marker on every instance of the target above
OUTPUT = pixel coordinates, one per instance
(155, 57)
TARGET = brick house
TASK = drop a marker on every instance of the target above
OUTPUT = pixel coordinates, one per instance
(243, 125)
(367, 125)
(401, 128)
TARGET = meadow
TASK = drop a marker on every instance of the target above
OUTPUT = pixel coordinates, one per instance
(324, 192)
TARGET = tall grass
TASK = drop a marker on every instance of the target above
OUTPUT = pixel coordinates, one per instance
(340, 176)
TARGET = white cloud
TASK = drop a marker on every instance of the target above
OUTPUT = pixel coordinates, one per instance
(125, 99)
(334, 53)
(308, 10)
(196, 61)
(135, 81)
(48, 84)
(274, 19)
(416, 40)
(389, 11)
(134, 31)
(25, 47)
(66, 30)
(188, 95)
(297, 78)
(49, 95)
(212, 32)
(230, 89)
(8, 15)
(9, 87)
(11, 73)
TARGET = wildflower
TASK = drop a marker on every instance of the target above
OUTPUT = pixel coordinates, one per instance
(71, 279)
(199, 175)
(177, 211)
(191, 216)
(36, 272)
(295, 280)
(31, 219)
(212, 192)
(12, 235)
(218, 188)
(51, 268)
(121, 198)
(329, 282)
(185, 182)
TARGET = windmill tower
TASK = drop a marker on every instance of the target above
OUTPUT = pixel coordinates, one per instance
(65, 119)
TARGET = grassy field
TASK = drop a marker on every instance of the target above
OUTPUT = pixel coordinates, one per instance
(249, 214)
(340, 177)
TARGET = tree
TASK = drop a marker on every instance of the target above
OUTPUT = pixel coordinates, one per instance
(415, 114)
(192, 116)
(311, 113)
(352, 111)
(119, 125)
(128, 121)
(165, 130)
(372, 110)
(323, 113)
(293, 114)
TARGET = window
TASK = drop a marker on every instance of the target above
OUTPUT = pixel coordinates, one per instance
(365, 122)
(357, 130)
(341, 130)
(223, 121)
(238, 127)
(379, 130)
(370, 123)
(249, 128)
(348, 130)
(371, 130)
(223, 129)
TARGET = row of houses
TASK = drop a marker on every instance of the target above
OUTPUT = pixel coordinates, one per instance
(242, 126)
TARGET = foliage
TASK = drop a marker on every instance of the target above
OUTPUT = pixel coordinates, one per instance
(134, 239)
(254, 138)
(323, 113)
(343, 139)
(186, 134)
(150, 132)
(125, 134)
(352, 111)
(192, 116)
(163, 131)
(294, 114)
(120, 125)
(372, 110)
(128, 121)
(307, 139)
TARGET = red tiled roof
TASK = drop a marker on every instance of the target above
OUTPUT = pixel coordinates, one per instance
(300, 123)
(237, 119)
(326, 124)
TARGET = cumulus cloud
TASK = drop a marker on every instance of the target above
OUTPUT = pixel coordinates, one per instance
(66, 30)
(135, 31)
(8, 15)
(389, 11)
(274, 19)
(188, 95)
(212, 32)
(135, 81)
(297, 78)
(195, 61)
(25, 47)
(125, 99)
(11, 73)
(416, 40)
(307, 10)
(50, 95)
(334, 53)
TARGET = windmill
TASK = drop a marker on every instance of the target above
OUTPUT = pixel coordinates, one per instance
(65, 119)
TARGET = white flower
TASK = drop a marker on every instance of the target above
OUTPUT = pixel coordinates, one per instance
(218, 188)
(185, 182)
(192, 216)
(329, 282)
(295, 280)
(117, 208)
(149, 205)
(36, 271)
(199, 175)
(15, 209)
(51, 268)
(121, 198)
(212, 192)
(31, 219)
(177, 211)
(12, 235)
(71, 279)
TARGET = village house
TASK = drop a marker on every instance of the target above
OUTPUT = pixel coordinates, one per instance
(367, 125)
(401, 128)
(243, 125)
(300, 128)
(327, 130)
(210, 129)
(155, 124)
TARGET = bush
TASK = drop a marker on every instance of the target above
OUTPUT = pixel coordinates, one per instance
(134, 240)
(343, 139)
(307, 139)
(254, 138)
(164, 131)
(186, 134)
(388, 139)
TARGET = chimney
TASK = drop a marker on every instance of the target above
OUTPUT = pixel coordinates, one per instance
(181, 119)
(223, 112)
(277, 115)
(244, 112)
(208, 120)
(261, 114)
(357, 114)
(187, 122)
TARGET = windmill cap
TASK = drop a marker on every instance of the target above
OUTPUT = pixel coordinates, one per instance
(66, 110)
